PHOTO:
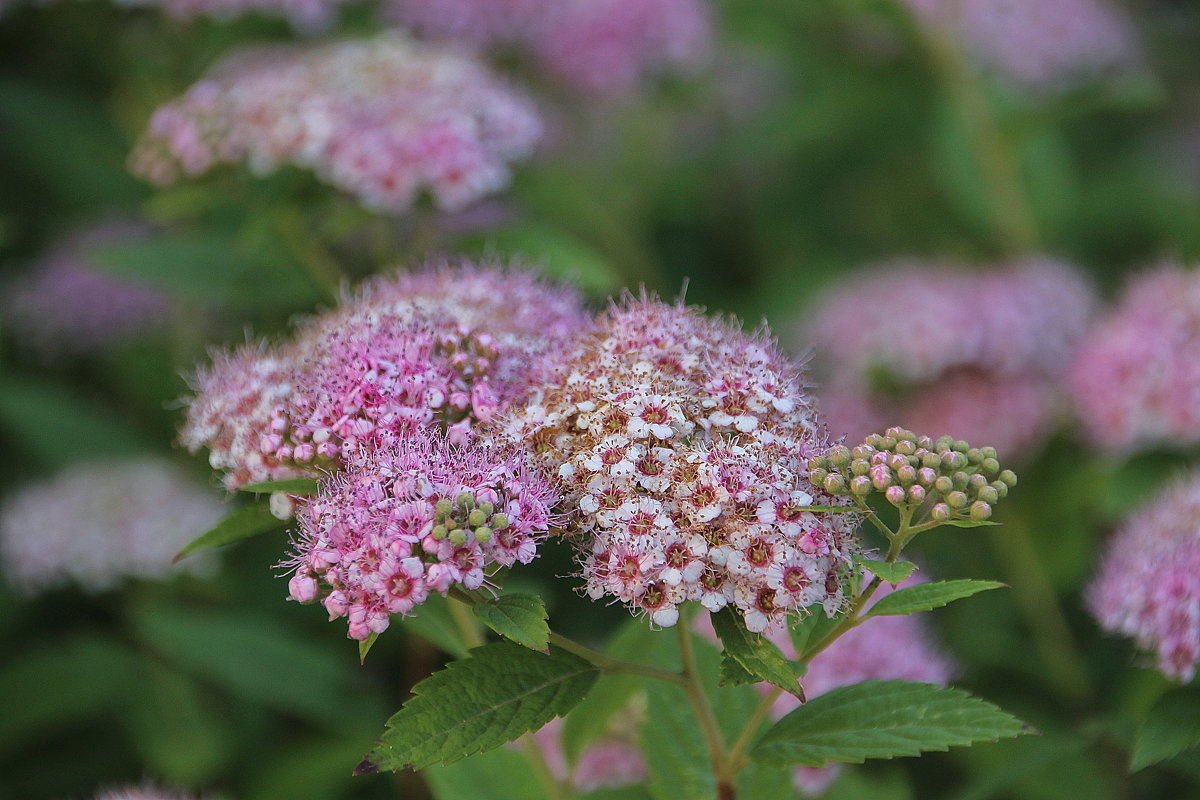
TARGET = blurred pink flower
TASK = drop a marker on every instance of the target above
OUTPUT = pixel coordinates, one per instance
(69, 303)
(1034, 44)
(96, 523)
(947, 351)
(612, 761)
(1136, 379)
(682, 444)
(382, 119)
(1148, 583)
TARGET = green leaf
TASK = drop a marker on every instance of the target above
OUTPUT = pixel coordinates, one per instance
(499, 692)
(929, 595)
(891, 571)
(365, 646)
(242, 523)
(676, 754)
(500, 774)
(1172, 726)
(297, 486)
(519, 617)
(812, 629)
(734, 674)
(882, 719)
(969, 523)
(757, 656)
(179, 735)
(762, 780)
(434, 623)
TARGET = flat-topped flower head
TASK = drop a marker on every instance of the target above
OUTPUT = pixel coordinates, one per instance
(414, 515)
(1036, 45)
(68, 302)
(1148, 583)
(381, 119)
(976, 355)
(595, 46)
(682, 444)
(1135, 379)
(445, 348)
(97, 523)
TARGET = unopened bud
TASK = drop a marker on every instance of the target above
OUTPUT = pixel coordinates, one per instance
(881, 477)
(943, 484)
(960, 446)
(889, 442)
(988, 494)
(897, 461)
(989, 467)
(466, 500)
(862, 451)
(444, 507)
(926, 477)
(458, 537)
(957, 499)
(476, 518)
(859, 466)
(818, 476)
(1008, 477)
(931, 460)
(1001, 488)
(906, 475)
(860, 486)
(483, 534)
(834, 484)
(960, 480)
(989, 452)
(916, 494)
(487, 508)
(839, 455)
(974, 456)
(500, 522)
(980, 511)
(439, 532)
(924, 443)
(905, 447)
(941, 512)
(895, 495)
(977, 482)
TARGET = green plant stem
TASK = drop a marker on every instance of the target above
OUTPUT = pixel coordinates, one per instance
(311, 254)
(694, 688)
(552, 787)
(467, 626)
(737, 753)
(615, 666)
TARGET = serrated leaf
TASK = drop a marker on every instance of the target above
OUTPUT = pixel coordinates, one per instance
(733, 673)
(497, 693)
(298, 486)
(929, 595)
(1172, 726)
(676, 754)
(882, 719)
(753, 653)
(969, 523)
(891, 571)
(242, 523)
(519, 617)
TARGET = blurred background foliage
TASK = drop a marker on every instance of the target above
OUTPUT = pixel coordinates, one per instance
(823, 135)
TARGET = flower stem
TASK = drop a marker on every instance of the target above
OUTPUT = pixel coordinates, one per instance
(615, 666)
(737, 753)
(694, 688)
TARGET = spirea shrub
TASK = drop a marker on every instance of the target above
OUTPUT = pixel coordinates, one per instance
(381, 119)
(979, 355)
(1135, 379)
(97, 523)
(1146, 587)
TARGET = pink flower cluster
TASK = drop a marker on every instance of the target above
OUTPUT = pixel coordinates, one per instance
(412, 516)
(884, 648)
(682, 444)
(382, 119)
(977, 355)
(601, 46)
(1148, 584)
(69, 304)
(444, 348)
(1135, 379)
(97, 523)
(1035, 44)
(611, 762)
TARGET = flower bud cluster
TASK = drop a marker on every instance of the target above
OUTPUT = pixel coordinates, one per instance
(951, 479)
(977, 355)
(445, 349)
(1148, 583)
(411, 516)
(1135, 379)
(682, 443)
(382, 119)
(97, 523)
(599, 46)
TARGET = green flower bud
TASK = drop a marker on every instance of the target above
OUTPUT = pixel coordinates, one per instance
(1009, 477)
(944, 443)
(458, 537)
(980, 511)
(988, 494)
(860, 486)
(487, 509)
(860, 466)
(905, 447)
(818, 476)
(439, 532)
(916, 494)
(1001, 488)
(862, 451)
(926, 477)
(835, 484)
(989, 452)
(974, 456)
(889, 442)
(839, 456)
(957, 500)
(895, 495)
(977, 482)
(989, 467)
(483, 534)
(466, 500)
(500, 522)
(941, 512)
(960, 480)
(943, 484)
(960, 446)
(931, 460)
(881, 479)
(476, 518)
(444, 507)
(925, 443)
(874, 441)
(907, 475)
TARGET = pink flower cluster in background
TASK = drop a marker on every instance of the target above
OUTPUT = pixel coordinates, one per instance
(601, 46)
(1034, 44)
(412, 516)
(97, 523)
(976, 355)
(68, 303)
(612, 761)
(1148, 583)
(444, 348)
(1136, 378)
(682, 445)
(382, 119)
